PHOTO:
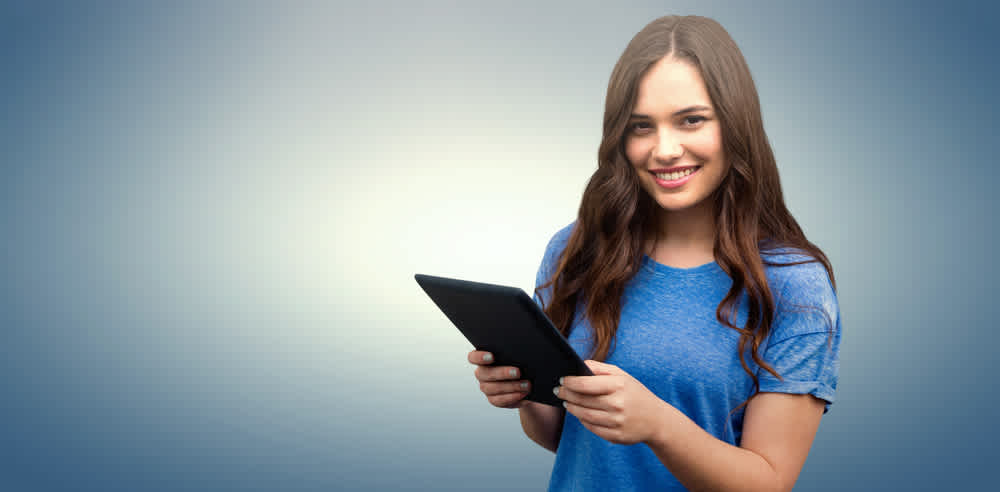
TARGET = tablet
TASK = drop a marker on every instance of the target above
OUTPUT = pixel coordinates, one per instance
(507, 323)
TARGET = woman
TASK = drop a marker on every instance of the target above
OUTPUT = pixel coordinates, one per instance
(715, 318)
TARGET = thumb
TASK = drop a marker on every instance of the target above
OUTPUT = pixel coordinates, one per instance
(602, 368)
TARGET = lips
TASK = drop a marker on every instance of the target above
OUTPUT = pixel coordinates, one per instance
(672, 169)
(674, 174)
(675, 178)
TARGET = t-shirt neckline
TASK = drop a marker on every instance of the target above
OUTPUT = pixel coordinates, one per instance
(657, 267)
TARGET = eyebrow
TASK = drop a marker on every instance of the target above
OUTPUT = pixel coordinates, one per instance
(689, 109)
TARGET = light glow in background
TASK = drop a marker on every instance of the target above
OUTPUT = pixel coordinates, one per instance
(212, 216)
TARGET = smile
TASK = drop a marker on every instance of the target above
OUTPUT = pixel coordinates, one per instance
(675, 176)
(675, 179)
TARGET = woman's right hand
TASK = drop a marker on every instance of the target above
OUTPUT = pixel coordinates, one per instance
(500, 384)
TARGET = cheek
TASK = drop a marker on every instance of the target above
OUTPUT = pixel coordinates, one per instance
(707, 145)
(719, 173)
(636, 151)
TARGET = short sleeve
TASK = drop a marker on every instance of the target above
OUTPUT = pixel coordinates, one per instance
(804, 344)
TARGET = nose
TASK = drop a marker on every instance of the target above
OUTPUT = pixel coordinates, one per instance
(668, 147)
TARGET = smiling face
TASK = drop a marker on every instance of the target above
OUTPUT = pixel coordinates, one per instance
(674, 139)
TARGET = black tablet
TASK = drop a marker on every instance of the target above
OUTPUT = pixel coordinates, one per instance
(507, 323)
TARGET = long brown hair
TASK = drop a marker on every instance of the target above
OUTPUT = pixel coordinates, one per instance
(616, 215)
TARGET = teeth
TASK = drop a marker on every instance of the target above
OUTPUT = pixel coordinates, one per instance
(675, 176)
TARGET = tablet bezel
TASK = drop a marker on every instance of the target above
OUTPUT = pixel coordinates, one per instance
(492, 316)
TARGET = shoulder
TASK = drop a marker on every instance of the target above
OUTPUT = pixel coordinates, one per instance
(794, 267)
(557, 243)
(797, 279)
(805, 300)
(562, 235)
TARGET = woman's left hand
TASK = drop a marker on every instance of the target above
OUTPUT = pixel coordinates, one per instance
(612, 404)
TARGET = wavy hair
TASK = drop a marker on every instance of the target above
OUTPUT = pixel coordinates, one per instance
(616, 215)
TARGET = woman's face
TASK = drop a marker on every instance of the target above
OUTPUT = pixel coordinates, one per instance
(673, 138)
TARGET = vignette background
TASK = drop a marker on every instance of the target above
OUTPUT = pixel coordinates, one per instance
(212, 215)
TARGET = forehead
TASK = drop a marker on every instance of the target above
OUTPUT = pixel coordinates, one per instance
(670, 85)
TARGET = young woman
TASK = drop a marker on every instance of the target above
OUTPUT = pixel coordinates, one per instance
(715, 318)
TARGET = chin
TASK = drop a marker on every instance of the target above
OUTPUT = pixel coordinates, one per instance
(677, 205)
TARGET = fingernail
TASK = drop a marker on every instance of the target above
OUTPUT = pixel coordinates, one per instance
(556, 390)
(524, 385)
(560, 381)
(513, 373)
(488, 358)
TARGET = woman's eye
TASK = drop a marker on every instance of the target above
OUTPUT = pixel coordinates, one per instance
(694, 120)
(639, 126)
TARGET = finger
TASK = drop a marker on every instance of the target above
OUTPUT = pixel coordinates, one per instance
(503, 373)
(579, 399)
(480, 357)
(606, 433)
(594, 417)
(601, 368)
(497, 388)
(594, 385)
(506, 400)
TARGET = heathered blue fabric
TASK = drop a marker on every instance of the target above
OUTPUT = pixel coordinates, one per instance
(670, 340)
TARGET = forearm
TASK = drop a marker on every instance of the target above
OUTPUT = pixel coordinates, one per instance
(699, 461)
(542, 423)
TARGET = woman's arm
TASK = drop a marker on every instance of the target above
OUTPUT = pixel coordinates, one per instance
(778, 430)
(542, 423)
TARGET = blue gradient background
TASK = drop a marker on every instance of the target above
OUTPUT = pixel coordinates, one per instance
(212, 215)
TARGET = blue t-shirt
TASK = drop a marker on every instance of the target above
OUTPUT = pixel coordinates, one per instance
(669, 339)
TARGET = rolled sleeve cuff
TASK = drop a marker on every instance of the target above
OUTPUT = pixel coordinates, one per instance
(770, 384)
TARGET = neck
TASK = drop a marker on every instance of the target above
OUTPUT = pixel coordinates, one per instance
(692, 229)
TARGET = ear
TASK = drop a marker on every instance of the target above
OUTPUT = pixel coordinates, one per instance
(600, 368)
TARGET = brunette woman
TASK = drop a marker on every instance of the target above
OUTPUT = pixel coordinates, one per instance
(710, 321)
